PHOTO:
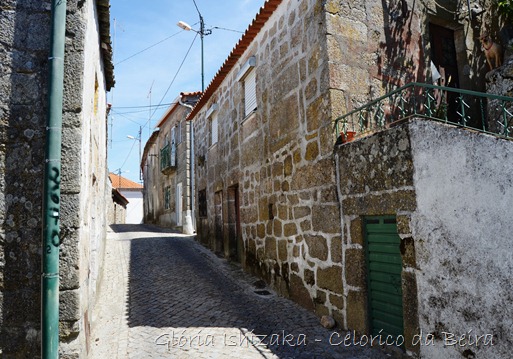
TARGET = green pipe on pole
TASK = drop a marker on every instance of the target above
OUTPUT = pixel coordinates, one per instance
(51, 190)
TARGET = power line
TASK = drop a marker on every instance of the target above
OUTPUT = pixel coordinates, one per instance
(173, 80)
(133, 112)
(149, 47)
(146, 106)
(162, 99)
(223, 28)
(128, 156)
(122, 115)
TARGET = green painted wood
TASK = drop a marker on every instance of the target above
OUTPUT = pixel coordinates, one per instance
(384, 266)
(382, 248)
(385, 258)
(388, 307)
(391, 268)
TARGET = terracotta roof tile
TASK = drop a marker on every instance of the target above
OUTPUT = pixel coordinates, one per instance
(120, 182)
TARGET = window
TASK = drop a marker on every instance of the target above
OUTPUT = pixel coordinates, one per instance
(168, 152)
(214, 125)
(213, 131)
(250, 104)
(172, 159)
(247, 76)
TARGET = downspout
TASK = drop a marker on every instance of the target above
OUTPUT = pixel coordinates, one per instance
(51, 187)
(188, 225)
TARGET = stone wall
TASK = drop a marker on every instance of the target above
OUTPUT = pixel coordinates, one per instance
(375, 47)
(116, 207)
(156, 181)
(24, 49)
(500, 82)
(449, 190)
(278, 161)
(24, 40)
(375, 178)
(150, 167)
(316, 61)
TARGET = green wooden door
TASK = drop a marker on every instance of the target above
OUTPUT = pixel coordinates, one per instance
(384, 266)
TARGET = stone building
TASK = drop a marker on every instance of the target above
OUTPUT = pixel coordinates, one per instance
(273, 194)
(24, 52)
(167, 166)
(116, 211)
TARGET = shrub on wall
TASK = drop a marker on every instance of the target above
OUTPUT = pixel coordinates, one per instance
(505, 7)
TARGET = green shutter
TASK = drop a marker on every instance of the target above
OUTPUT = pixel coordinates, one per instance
(384, 267)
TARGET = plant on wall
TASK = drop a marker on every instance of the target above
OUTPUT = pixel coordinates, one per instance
(505, 7)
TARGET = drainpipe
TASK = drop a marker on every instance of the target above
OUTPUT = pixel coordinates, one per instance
(188, 226)
(51, 190)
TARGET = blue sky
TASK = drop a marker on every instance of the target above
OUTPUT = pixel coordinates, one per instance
(148, 52)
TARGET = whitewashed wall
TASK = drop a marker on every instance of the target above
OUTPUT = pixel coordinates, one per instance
(134, 209)
(462, 230)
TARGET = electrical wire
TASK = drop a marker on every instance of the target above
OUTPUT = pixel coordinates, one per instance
(128, 156)
(223, 28)
(173, 80)
(149, 47)
(144, 106)
(132, 112)
(162, 99)
(122, 115)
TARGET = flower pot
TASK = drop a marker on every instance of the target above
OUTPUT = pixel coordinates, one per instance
(348, 136)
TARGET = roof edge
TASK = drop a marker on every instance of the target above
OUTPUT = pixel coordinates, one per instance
(103, 10)
(249, 35)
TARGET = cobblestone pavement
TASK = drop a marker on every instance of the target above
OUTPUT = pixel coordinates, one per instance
(163, 295)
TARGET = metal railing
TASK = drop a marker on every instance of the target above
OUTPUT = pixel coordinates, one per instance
(168, 157)
(476, 110)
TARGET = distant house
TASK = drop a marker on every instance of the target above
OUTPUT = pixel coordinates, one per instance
(133, 192)
(168, 168)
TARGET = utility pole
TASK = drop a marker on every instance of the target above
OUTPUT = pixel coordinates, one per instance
(138, 138)
(202, 32)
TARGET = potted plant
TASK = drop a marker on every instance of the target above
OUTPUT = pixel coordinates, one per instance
(347, 136)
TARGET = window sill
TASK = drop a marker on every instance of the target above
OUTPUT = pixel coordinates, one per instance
(249, 116)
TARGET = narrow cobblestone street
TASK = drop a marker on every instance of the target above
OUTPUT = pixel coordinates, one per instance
(165, 296)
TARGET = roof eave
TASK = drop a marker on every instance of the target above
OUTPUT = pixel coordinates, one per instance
(249, 35)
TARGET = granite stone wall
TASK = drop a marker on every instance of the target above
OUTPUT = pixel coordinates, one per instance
(449, 190)
(23, 80)
(279, 160)
(375, 178)
(24, 44)
(315, 61)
